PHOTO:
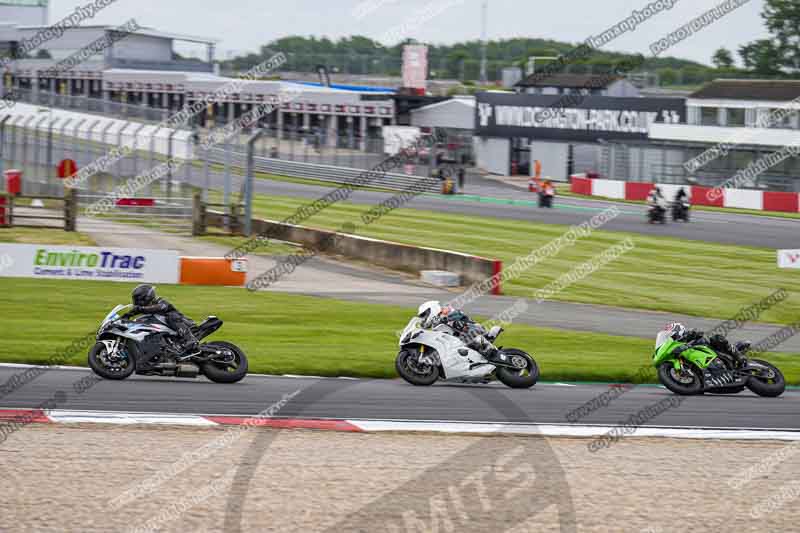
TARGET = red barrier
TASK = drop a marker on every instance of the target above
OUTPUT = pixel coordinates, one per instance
(581, 186)
(638, 191)
(707, 196)
(3, 221)
(497, 289)
(136, 202)
(14, 181)
(787, 202)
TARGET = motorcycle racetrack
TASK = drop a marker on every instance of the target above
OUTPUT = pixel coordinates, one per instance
(489, 198)
(395, 400)
(345, 454)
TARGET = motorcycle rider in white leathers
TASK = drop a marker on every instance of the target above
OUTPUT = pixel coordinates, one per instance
(470, 332)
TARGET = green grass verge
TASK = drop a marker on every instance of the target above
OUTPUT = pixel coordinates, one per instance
(660, 274)
(44, 236)
(300, 334)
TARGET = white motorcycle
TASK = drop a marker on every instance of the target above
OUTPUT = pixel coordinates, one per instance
(428, 355)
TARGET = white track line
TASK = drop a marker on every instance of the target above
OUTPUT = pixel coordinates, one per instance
(63, 416)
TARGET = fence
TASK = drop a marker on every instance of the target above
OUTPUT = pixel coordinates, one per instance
(58, 212)
(169, 164)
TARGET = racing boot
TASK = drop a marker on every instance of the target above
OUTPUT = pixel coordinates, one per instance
(190, 344)
(738, 352)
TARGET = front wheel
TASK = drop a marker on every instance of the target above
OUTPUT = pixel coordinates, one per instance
(687, 381)
(118, 366)
(228, 365)
(523, 376)
(770, 383)
(420, 374)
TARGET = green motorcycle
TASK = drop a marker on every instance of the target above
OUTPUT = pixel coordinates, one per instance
(694, 368)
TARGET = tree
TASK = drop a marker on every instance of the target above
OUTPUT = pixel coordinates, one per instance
(783, 20)
(761, 57)
(668, 76)
(723, 58)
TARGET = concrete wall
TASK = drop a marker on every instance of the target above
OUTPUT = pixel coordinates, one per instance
(386, 254)
(493, 155)
(553, 156)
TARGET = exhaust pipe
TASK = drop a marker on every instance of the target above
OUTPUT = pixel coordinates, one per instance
(187, 370)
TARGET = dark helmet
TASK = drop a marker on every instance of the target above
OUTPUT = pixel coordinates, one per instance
(143, 295)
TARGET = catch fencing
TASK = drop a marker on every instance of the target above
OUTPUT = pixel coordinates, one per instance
(35, 139)
(110, 152)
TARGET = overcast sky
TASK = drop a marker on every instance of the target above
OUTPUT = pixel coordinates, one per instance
(244, 25)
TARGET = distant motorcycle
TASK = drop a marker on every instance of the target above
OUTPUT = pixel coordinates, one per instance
(680, 211)
(698, 369)
(428, 355)
(122, 343)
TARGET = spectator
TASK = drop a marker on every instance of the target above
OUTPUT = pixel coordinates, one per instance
(461, 174)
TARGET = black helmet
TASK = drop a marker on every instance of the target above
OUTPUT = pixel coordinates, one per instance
(143, 295)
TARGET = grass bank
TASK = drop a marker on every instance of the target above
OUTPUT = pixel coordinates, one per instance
(288, 334)
(660, 274)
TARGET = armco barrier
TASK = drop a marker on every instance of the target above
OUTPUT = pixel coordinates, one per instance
(329, 173)
(396, 256)
(786, 202)
(213, 271)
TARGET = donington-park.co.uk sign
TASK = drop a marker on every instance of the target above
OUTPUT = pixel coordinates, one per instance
(788, 258)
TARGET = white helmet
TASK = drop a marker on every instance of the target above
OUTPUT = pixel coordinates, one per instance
(677, 329)
(429, 309)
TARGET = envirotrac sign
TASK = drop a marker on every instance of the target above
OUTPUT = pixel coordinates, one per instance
(788, 258)
(90, 263)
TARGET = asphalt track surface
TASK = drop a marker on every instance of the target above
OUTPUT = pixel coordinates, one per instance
(716, 227)
(395, 400)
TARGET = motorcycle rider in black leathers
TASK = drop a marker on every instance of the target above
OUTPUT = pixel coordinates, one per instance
(145, 302)
(717, 342)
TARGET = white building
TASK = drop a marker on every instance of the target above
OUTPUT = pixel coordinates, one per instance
(142, 69)
(752, 118)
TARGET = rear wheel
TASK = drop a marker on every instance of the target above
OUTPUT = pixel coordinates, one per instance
(686, 381)
(118, 366)
(421, 374)
(523, 376)
(770, 383)
(227, 366)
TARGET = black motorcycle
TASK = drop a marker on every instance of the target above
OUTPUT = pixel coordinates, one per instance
(123, 345)
(656, 215)
(680, 211)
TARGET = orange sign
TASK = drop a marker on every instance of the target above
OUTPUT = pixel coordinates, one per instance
(67, 168)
